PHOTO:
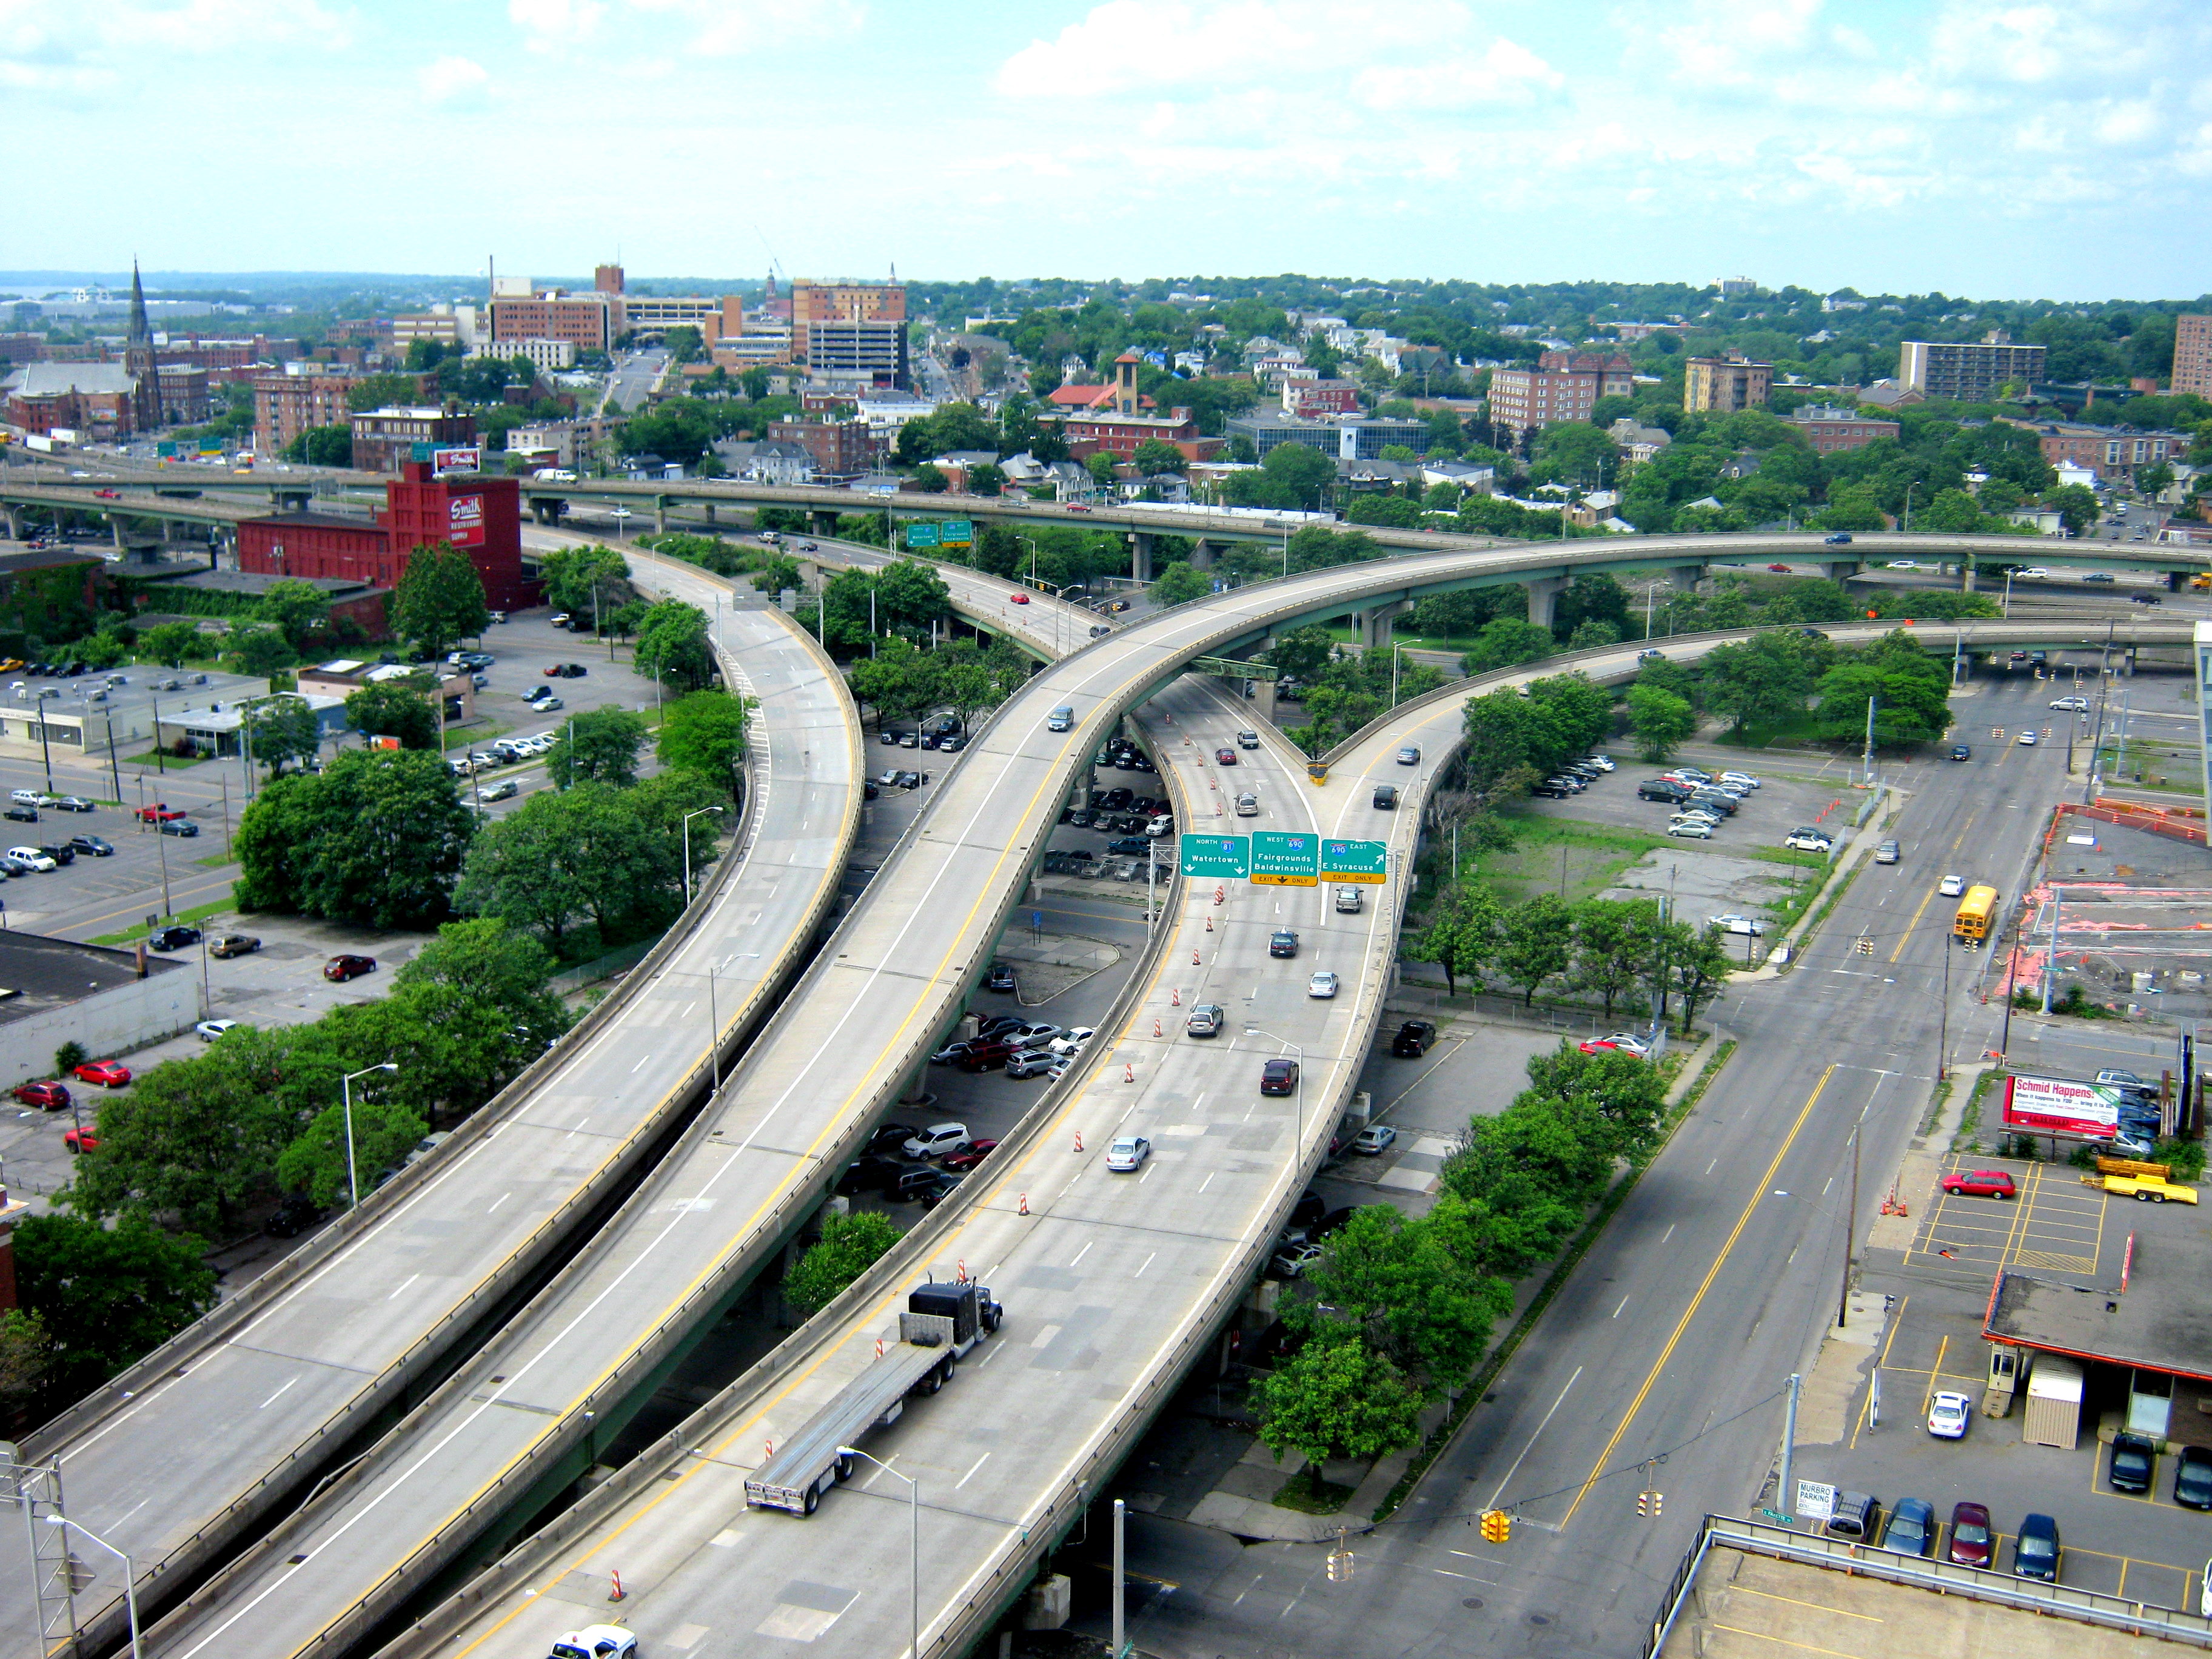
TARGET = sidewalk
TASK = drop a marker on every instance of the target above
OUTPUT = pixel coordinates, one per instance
(1864, 840)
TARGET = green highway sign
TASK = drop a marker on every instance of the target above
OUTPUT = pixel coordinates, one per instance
(922, 535)
(957, 532)
(1223, 858)
(1285, 860)
(1355, 861)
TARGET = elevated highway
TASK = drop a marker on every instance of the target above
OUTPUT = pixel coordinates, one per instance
(512, 1425)
(1114, 1285)
(180, 1457)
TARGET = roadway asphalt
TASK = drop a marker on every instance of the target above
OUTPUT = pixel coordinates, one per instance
(1717, 1277)
(166, 1470)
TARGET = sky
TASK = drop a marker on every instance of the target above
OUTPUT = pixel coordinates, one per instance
(1995, 149)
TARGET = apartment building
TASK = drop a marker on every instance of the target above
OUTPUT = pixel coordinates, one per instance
(814, 304)
(285, 405)
(1721, 385)
(2193, 353)
(1968, 372)
(386, 439)
(1832, 430)
(1565, 386)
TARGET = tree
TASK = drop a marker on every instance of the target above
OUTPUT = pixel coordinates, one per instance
(777, 573)
(259, 652)
(1292, 476)
(170, 642)
(1335, 1398)
(1102, 468)
(398, 708)
(1155, 455)
(684, 343)
(1507, 642)
(440, 599)
(1763, 680)
(1612, 946)
(383, 1131)
(1303, 652)
(1179, 584)
(985, 479)
(2075, 505)
(1700, 964)
(848, 1247)
(705, 733)
(300, 609)
(466, 1014)
(105, 1295)
(1661, 720)
(599, 744)
(376, 840)
(1535, 944)
(580, 865)
(672, 644)
(1953, 510)
(278, 729)
(1461, 935)
(911, 597)
(573, 574)
(1624, 1091)
(326, 446)
(1409, 1296)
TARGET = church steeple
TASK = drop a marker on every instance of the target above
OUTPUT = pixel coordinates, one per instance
(139, 361)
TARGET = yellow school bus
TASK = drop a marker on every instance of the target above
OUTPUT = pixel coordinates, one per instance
(1976, 911)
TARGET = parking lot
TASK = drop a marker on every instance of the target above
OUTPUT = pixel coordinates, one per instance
(2142, 1545)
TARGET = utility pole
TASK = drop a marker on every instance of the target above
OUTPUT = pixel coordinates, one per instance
(1867, 761)
(1784, 1492)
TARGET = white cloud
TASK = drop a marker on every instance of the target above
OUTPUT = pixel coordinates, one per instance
(62, 44)
(453, 83)
(718, 28)
(1502, 73)
(551, 23)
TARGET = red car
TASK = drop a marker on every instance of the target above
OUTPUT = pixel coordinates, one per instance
(1077, 506)
(108, 1073)
(1971, 1542)
(159, 813)
(53, 1096)
(344, 968)
(1979, 1183)
(1278, 1077)
(975, 1154)
(1225, 757)
(81, 1140)
(1019, 598)
(109, 495)
(1779, 569)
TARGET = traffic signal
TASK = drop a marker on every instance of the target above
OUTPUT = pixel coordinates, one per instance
(1496, 1527)
(1648, 1503)
(1865, 947)
(1339, 1560)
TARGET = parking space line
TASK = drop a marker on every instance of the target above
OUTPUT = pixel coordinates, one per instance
(2149, 1495)
(1928, 1399)
(1817, 1607)
(1783, 1641)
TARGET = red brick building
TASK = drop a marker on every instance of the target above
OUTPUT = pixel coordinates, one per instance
(285, 405)
(2113, 453)
(1565, 386)
(1832, 430)
(384, 438)
(481, 516)
(840, 448)
(2193, 353)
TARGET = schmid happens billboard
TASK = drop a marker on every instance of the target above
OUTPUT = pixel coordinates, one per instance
(2053, 1106)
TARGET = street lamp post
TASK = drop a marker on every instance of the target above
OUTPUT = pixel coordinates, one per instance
(130, 1572)
(913, 1508)
(688, 816)
(353, 1173)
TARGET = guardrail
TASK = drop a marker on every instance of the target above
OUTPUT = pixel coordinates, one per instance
(1918, 1572)
(438, 1345)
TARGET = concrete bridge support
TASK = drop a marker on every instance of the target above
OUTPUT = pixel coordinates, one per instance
(1544, 599)
(1263, 698)
(661, 515)
(1684, 578)
(710, 512)
(1966, 574)
(15, 524)
(289, 501)
(822, 524)
(1372, 626)
(115, 529)
(2174, 580)
(1202, 553)
(1837, 570)
(1140, 555)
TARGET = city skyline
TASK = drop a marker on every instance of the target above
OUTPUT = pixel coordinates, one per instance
(1973, 147)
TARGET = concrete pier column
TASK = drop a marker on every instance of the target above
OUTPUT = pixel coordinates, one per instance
(1544, 599)
(1837, 570)
(1201, 555)
(1140, 555)
(822, 524)
(710, 512)
(1684, 578)
(115, 529)
(661, 515)
(1263, 698)
(1372, 626)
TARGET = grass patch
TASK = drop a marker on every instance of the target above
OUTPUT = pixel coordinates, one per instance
(1308, 1493)
(197, 914)
(1970, 1119)
(1586, 858)
(1555, 1281)
(1941, 1093)
(163, 760)
(213, 860)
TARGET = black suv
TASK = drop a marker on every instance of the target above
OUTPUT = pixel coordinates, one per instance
(2131, 1463)
(1659, 789)
(1553, 789)
(1283, 943)
(174, 938)
(1413, 1039)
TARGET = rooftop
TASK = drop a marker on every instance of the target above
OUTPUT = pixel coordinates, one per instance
(2158, 1323)
(38, 974)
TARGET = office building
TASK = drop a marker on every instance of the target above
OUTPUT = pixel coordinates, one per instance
(862, 355)
(840, 448)
(1721, 385)
(2111, 452)
(1968, 373)
(589, 322)
(1831, 430)
(1345, 437)
(2193, 353)
(384, 438)
(814, 303)
(1565, 386)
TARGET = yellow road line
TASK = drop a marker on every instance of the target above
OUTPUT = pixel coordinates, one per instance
(1905, 938)
(1817, 1607)
(1928, 1398)
(1783, 1641)
(1689, 1313)
(1964, 827)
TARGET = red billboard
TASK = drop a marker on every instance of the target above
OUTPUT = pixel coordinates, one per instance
(443, 461)
(2053, 1106)
(465, 521)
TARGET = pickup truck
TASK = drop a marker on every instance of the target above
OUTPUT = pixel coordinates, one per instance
(2148, 1189)
(159, 813)
(941, 1323)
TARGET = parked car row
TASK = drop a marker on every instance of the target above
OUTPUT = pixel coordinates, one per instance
(942, 732)
(1569, 780)
(1971, 1539)
(1704, 800)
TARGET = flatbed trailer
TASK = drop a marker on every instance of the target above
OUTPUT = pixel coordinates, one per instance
(940, 1324)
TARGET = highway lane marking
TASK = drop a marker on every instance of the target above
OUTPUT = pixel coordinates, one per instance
(263, 1407)
(404, 1284)
(970, 1475)
(1615, 1313)
(1081, 1254)
(1757, 1197)
(501, 1199)
(1139, 1273)
(1532, 1440)
(1903, 939)
(1208, 1181)
(1669, 1233)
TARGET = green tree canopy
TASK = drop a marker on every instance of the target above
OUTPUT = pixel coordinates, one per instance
(581, 867)
(705, 733)
(314, 1163)
(598, 744)
(376, 840)
(848, 1247)
(1179, 584)
(299, 610)
(1336, 1398)
(260, 651)
(1661, 721)
(397, 708)
(440, 599)
(573, 574)
(171, 642)
(107, 1296)
(280, 729)
(672, 644)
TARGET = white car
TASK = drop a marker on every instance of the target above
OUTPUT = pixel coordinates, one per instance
(1905, 564)
(209, 1029)
(1947, 1414)
(597, 1641)
(2071, 705)
(1743, 778)
(1603, 763)
(1127, 1152)
(1951, 887)
(1734, 924)
(1809, 843)
(1074, 1040)
(32, 856)
(2033, 570)
(937, 1140)
(2028, 739)
(30, 797)
(1323, 984)
(1691, 829)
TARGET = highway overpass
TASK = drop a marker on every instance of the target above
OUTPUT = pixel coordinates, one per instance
(509, 1427)
(178, 1459)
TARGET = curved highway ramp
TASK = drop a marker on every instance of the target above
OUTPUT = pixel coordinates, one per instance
(179, 1458)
